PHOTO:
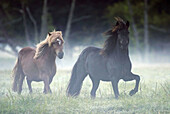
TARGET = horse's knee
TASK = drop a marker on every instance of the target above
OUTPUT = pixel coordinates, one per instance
(137, 78)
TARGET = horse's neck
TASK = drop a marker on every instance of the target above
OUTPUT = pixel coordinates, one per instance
(49, 56)
(120, 55)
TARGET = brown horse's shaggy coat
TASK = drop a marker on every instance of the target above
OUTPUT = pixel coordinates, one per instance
(38, 64)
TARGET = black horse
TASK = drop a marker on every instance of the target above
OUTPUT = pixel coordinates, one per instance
(111, 63)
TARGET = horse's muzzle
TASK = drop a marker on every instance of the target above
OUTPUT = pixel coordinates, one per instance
(60, 55)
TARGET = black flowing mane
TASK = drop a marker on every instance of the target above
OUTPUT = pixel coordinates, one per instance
(110, 43)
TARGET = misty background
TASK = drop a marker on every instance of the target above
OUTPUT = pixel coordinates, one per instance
(83, 22)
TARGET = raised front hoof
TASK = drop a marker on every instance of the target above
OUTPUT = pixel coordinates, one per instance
(132, 92)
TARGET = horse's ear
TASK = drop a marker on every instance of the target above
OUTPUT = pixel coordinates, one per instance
(49, 33)
(127, 24)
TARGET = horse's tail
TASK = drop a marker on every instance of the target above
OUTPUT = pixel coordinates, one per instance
(16, 75)
(78, 74)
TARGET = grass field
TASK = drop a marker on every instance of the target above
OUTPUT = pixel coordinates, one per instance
(153, 96)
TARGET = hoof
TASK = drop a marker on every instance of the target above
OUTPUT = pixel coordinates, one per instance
(93, 97)
(116, 97)
(14, 90)
(49, 92)
(44, 92)
(19, 93)
(132, 92)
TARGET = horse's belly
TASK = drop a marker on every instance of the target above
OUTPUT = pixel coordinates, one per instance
(36, 80)
(31, 71)
(100, 76)
(98, 71)
(96, 67)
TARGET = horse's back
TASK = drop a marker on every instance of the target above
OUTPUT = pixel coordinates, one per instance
(89, 50)
(26, 51)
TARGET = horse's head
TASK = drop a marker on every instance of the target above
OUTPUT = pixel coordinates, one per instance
(122, 32)
(55, 40)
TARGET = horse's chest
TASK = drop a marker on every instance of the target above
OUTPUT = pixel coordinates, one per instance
(118, 69)
(48, 70)
(123, 69)
(51, 71)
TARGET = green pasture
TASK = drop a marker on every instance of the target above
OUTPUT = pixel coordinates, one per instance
(153, 96)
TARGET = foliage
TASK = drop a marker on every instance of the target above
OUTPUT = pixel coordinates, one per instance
(91, 19)
(159, 16)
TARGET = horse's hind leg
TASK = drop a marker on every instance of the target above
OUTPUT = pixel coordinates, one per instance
(94, 88)
(29, 85)
(22, 76)
(44, 89)
(131, 77)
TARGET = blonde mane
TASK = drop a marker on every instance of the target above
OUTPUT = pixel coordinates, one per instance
(41, 47)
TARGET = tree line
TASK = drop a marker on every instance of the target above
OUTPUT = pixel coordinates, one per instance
(26, 22)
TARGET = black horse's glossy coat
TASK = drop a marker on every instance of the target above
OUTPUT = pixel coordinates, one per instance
(111, 63)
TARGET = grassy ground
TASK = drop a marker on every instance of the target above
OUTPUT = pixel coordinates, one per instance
(153, 96)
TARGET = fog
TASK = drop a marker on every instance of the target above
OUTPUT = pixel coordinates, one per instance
(154, 58)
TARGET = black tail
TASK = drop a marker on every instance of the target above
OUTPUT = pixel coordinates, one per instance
(77, 76)
(16, 75)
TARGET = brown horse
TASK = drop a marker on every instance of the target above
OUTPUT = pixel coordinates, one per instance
(38, 64)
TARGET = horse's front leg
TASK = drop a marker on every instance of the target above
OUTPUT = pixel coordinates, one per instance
(131, 77)
(46, 84)
(115, 87)
(29, 85)
(94, 88)
(45, 89)
(51, 79)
